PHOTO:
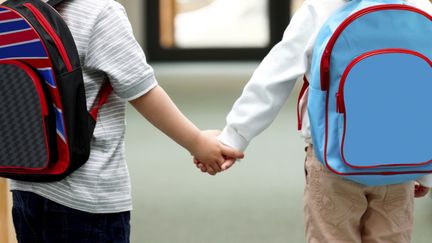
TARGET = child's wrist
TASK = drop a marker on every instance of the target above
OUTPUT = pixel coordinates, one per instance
(193, 145)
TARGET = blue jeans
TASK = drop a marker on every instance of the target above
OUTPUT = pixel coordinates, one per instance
(39, 220)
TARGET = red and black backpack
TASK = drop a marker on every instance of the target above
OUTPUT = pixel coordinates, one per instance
(45, 127)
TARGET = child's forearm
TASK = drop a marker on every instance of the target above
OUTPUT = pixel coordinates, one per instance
(157, 107)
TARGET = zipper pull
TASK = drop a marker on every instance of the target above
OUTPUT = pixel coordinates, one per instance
(340, 106)
(337, 103)
(325, 71)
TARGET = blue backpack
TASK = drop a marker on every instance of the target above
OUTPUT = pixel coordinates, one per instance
(370, 92)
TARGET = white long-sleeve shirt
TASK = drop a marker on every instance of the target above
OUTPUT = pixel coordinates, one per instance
(274, 79)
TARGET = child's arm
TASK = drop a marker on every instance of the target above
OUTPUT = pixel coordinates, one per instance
(271, 84)
(157, 107)
(273, 81)
(229, 161)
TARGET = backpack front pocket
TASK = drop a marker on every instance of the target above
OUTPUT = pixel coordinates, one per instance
(23, 118)
(384, 97)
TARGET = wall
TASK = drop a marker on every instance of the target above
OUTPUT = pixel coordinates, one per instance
(135, 11)
(175, 74)
(7, 234)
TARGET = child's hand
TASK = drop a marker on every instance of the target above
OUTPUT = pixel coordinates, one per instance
(209, 154)
(420, 190)
(225, 166)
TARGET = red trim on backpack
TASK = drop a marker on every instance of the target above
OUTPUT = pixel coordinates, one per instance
(49, 29)
(359, 173)
(341, 102)
(301, 94)
(325, 61)
(36, 63)
(325, 77)
(105, 91)
(44, 106)
(62, 146)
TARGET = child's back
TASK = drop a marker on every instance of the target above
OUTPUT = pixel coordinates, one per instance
(336, 209)
(106, 46)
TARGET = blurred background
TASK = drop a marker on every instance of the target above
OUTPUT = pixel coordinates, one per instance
(203, 53)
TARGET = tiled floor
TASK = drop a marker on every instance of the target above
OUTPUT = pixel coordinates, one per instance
(258, 201)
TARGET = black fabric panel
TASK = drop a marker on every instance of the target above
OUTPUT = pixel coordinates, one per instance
(79, 129)
(55, 2)
(22, 131)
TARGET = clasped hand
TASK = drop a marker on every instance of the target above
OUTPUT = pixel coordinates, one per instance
(211, 156)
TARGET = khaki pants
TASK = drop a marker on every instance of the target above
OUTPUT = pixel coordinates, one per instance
(337, 210)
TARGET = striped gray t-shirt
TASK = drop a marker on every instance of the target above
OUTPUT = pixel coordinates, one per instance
(106, 46)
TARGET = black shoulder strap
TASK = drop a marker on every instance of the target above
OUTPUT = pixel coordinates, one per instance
(54, 2)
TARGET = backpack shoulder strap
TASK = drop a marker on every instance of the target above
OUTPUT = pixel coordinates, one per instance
(104, 92)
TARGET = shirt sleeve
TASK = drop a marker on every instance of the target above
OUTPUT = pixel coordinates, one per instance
(114, 50)
(272, 82)
(425, 180)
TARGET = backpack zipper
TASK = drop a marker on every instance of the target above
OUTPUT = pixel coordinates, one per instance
(52, 33)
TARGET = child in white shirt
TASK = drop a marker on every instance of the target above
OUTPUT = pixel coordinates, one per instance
(336, 210)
